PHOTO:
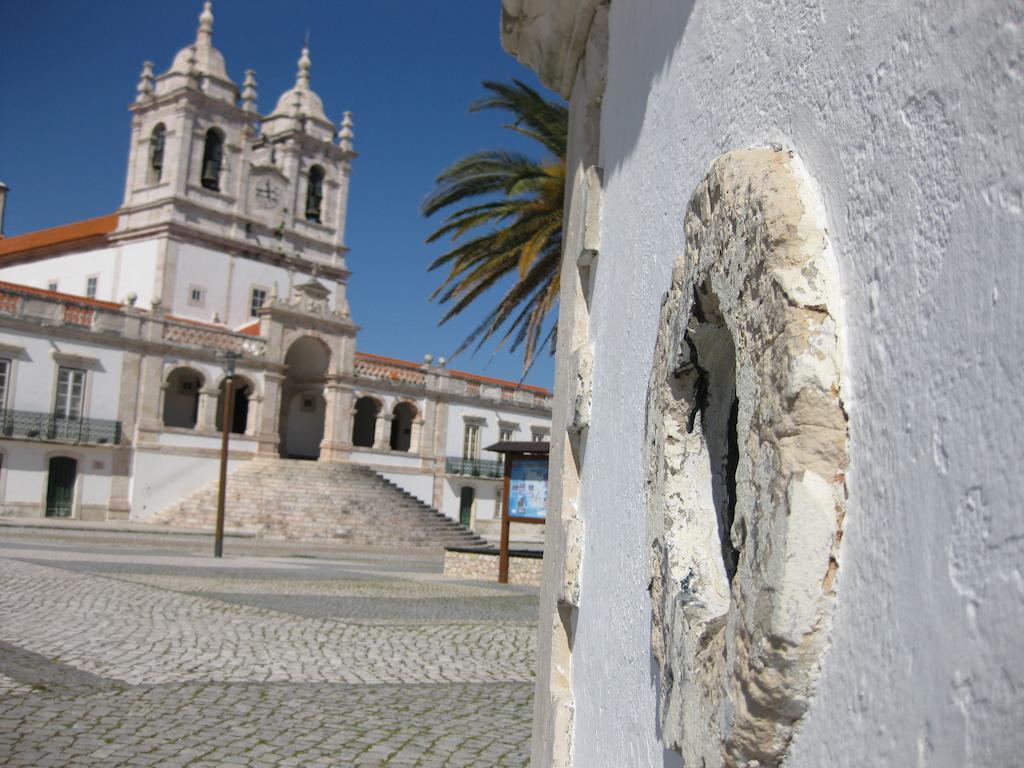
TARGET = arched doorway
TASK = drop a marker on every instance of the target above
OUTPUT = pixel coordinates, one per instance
(303, 407)
(240, 406)
(466, 497)
(364, 425)
(401, 426)
(181, 398)
(60, 486)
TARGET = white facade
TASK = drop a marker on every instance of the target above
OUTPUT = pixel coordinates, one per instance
(905, 119)
(230, 240)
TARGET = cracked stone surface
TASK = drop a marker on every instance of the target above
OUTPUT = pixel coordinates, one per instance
(132, 651)
(747, 436)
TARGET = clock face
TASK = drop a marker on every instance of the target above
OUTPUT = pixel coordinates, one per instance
(267, 194)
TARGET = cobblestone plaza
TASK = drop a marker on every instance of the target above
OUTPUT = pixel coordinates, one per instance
(142, 650)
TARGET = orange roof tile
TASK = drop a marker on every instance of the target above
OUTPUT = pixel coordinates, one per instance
(89, 229)
(252, 329)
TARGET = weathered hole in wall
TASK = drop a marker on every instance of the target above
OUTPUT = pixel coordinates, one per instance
(707, 368)
(746, 464)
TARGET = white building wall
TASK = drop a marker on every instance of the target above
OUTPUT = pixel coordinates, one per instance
(459, 414)
(227, 281)
(908, 118)
(119, 269)
(24, 473)
(159, 479)
(420, 486)
(34, 377)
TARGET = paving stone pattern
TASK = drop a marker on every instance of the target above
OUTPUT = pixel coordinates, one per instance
(138, 654)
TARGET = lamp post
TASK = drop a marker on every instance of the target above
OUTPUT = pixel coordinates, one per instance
(225, 428)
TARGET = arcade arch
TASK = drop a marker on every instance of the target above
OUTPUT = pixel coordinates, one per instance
(303, 407)
(181, 398)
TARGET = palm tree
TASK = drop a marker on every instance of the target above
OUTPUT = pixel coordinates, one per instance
(513, 226)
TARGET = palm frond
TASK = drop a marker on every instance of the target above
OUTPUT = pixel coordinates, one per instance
(512, 230)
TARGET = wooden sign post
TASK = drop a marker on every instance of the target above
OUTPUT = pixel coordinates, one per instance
(525, 492)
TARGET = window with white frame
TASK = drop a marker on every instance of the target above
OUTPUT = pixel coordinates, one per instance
(471, 441)
(5, 378)
(90, 286)
(507, 431)
(53, 285)
(540, 435)
(259, 298)
(70, 392)
(196, 295)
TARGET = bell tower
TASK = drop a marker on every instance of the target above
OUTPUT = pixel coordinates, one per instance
(215, 182)
(188, 134)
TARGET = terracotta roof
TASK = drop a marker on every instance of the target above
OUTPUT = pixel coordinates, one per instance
(66, 234)
(252, 329)
(457, 374)
(66, 297)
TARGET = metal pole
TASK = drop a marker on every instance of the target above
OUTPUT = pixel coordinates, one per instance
(225, 424)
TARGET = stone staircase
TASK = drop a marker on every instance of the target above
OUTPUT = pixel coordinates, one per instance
(307, 500)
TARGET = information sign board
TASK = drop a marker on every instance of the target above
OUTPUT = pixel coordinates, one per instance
(528, 489)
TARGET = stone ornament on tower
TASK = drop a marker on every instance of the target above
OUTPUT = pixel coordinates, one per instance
(346, 134)
(249, 91)
(145, 86)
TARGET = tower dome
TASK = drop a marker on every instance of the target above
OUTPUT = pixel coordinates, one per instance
(301, 100)
(201, 57)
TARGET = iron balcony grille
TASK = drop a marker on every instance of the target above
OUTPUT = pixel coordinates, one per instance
(454, 465)
(48, 426)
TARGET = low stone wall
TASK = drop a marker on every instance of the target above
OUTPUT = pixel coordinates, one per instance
(483, 566)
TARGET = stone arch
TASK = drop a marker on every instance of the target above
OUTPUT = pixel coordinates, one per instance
(364, 421)
(182, 389)
(315, 193)
(303, 407)
(213, 159)
(746, 439)
(403, 416)
(243, 398)
(155, 159)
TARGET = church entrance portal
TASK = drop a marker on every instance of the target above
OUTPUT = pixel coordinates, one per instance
(302, 401)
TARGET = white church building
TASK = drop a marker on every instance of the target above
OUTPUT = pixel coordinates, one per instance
(231, 239)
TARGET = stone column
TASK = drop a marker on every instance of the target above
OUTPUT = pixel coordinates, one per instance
(337, 440)
(267, 426)
(252, 420)
(414, 436)
(151, 386)
(206, 421)
(382, 433)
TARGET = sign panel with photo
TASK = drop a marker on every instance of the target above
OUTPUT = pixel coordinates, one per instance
(528, 489)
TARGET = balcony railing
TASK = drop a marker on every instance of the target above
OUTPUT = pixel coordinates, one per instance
(48, 426)
(454, 465)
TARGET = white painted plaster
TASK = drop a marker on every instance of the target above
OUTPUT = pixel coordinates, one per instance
(33, 386)
(120, 269)
(908, 117)
(420, 486)
(159, 479)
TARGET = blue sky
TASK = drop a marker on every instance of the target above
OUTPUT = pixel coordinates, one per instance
(407, 71)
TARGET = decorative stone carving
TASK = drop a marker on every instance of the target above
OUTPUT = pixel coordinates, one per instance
(747, 441)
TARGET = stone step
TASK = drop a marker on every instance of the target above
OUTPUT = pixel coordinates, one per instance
(289, 499)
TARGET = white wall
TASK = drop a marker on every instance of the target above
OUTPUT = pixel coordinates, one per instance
(908, 117)
(120, 270)
(420, 486)
(160, 479)
(489, 430)
(228, 282)
(24, 471)
(485, 501)
(34, 378)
